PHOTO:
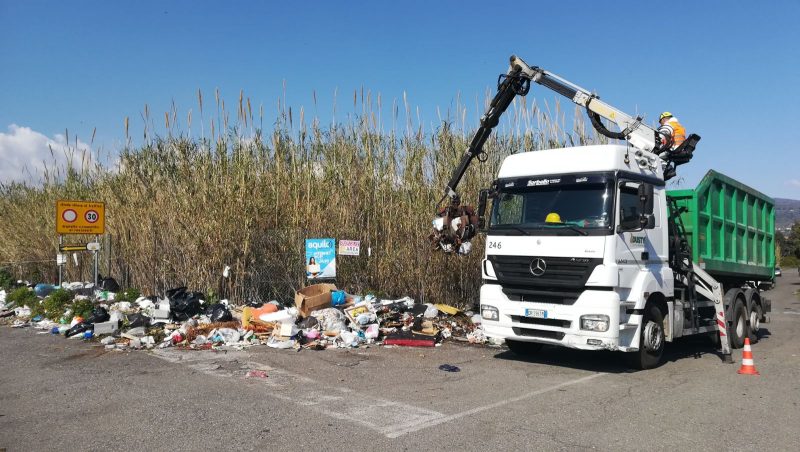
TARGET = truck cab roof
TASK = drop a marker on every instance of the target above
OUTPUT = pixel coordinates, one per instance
(579, 159)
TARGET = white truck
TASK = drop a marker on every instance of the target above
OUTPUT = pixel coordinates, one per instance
(585, 249)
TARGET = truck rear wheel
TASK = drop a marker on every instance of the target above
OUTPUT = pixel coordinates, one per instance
(755, 321)
(651, 340)
(738, 330)
(523, 348)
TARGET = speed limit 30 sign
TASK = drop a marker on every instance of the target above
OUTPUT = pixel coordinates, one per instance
(80, 217)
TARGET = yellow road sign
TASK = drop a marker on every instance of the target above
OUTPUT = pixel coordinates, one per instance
(80, 217)
(73, 248)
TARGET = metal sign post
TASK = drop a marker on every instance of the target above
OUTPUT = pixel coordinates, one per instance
(96, 260)
(59, 262)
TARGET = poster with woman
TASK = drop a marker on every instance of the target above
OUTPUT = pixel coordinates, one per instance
(320, 258)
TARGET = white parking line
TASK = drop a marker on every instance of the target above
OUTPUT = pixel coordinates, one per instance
(381, 415)
(491, 406)
(390, 418)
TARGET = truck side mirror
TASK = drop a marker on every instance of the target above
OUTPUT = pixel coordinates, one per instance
(646, 193)
(482, 197)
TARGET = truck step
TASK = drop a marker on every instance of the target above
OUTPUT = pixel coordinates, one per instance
(628, 326)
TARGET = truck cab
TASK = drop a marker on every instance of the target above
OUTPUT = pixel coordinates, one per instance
(573, 254)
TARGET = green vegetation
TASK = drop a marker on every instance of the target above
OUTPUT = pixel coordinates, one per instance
(6, 280)
(788, 247)
(182, 208)
(22, 296)
(54, 304)
(82, 308)
(129, 294)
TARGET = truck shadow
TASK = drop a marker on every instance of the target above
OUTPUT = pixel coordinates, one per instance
(615, 362)
(595, 361)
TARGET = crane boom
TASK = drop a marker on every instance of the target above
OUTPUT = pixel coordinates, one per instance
(517, 82)
(632, 129)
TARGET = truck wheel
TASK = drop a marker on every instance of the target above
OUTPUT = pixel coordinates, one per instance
(738, 329)
(651, 340)
(755, 321)
(523, 348)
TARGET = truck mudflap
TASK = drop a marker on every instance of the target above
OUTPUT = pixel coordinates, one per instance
(766, 305)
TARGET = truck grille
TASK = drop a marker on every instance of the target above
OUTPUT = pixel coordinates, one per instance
(534, 321)
(561, 283)
(538, 333)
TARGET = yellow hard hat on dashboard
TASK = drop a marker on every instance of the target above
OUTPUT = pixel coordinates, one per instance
(553, 217)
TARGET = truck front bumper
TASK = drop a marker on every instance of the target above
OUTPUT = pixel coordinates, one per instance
(561, 324)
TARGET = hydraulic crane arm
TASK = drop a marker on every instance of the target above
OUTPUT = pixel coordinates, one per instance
(517, 82)
(632, 129)
(512, 84)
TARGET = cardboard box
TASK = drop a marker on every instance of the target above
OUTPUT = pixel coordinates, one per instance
(314, 297)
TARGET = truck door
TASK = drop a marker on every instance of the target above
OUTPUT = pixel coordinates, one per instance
(634, 241)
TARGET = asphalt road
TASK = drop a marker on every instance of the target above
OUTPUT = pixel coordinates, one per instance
(58, 394)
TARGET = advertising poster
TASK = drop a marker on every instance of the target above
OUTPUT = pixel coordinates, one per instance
(349, 247)
(320, 258)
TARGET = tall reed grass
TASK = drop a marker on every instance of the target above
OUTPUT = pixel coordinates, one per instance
(186, 202)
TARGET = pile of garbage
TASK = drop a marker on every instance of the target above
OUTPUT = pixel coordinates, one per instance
(319, 317)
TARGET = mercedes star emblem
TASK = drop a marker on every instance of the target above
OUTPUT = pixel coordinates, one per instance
(538, 266)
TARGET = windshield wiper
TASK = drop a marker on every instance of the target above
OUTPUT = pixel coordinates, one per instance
(516, 228)
(574, 228)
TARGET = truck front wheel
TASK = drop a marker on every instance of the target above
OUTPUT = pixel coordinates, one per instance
(523, 348)
(651, 340)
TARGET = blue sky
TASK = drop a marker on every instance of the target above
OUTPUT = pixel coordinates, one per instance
(728, 69)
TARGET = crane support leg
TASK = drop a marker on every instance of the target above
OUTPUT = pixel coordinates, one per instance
(708, 287)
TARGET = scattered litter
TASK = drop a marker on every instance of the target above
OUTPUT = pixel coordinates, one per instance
(322, 317)
(256, 374)
(449, 368)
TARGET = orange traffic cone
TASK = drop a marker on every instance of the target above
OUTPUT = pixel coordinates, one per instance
(747, 360)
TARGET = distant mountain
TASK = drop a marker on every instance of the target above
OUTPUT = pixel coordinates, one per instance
(787, 211)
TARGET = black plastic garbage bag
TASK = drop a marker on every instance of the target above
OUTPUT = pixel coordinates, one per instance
(137, 320)
(78, 329)
(99, 314)
(219, 313)
(109, 284)
(184, 305)
(172, 292)
(255, 303)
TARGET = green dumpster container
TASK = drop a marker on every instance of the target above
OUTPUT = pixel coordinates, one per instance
(731, 228)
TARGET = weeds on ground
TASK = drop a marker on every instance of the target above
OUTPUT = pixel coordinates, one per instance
(54, 305)
(82, 308)
(23, 296)
(6, 280)
(130, 295)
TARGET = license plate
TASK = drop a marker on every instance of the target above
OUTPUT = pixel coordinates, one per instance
(536, 313)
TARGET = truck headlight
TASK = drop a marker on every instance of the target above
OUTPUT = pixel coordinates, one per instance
(594, 322)
(489, 312)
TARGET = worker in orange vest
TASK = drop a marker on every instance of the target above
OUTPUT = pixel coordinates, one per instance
(671, 132)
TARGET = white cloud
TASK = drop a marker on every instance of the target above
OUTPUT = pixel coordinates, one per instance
(25, 153)
(793, 183)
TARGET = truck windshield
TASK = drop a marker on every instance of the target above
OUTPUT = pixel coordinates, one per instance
(560, 205)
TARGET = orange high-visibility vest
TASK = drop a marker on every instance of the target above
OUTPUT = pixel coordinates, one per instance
(678, 132)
